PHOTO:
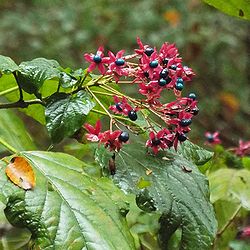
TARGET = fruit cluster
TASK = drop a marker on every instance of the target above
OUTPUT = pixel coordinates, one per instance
(153, 72)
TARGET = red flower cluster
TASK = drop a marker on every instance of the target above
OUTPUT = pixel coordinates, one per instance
(212, 138)
(154, 72)
(111, 140)
(243, 148)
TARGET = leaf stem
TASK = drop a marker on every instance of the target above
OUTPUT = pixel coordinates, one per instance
(222, 230)
(8, 146)
(7, 91)
(19, 87)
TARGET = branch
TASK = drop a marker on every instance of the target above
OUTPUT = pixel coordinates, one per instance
(20, 104)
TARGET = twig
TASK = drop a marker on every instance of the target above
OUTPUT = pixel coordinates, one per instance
(20, 104)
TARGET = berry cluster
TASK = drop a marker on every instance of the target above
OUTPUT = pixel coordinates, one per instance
(153, 72)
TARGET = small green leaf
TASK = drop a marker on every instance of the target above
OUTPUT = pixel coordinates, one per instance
(65, 113)
(246, 162)
(7, 65)
(231, 185)
(194, 153)
(67, 209)
(34, 73)
(182, 197)
(239, 8)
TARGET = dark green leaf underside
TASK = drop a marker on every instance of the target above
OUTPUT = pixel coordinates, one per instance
(177, 189)
(70, 209)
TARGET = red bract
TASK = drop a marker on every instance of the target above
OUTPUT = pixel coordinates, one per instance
(151, 90)
(161, 140)
(97, 60)
(212, 138)
(142, 47)
(94, 132)
(167, 52)
(121, 106)
(243, 148)
(116, 65)
(111, 140)
(151, 65)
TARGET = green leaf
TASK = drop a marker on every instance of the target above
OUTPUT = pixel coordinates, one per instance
(7, 65)
(246, 162)
(34, 73)
(231, 185)
(182, 197)
(65, 114)
(239, 8)
(12, 130)
(194, 153)
(66, 80)
(67, 209)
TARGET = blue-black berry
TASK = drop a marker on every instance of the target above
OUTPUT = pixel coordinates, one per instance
(162, 82)
(179, 86)
(118, 106)
(195, 111)
(146, 74)
(192, 96)
(153, 64)
(149, 51)
(97, 59)
(156, 142)
(124, 136)
(210, 138)
(132, 115)
(181, 137)
(165, 61)
(173, 67)
(119, 62)
(180, 80)
(164, 73)
(185, 122)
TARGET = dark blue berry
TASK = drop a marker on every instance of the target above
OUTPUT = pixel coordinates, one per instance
(153, 64)
(97, 59)
(195, 111)
(164, 73)
(168, 80)
(119, 62)
(185, 122)
(146, 74)
(210, 138)
(162, 82)
(149, 51)
(173, 67)
(181, 137)
(165, 61)
(118, 106)
(192, 96)
(180, 80)
(124, 136)
(179, 86)
(156, 142)
(132, 115)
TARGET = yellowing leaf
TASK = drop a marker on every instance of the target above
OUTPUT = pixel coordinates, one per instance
(172, 16)
(21, 173)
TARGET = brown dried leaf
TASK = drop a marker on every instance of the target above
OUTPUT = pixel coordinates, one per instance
(21, 173)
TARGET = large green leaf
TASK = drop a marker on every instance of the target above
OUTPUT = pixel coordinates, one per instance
(194, 153)
(239, 8)
(34, 73)
(65, 113)
(12, 131)
(231, 185)
(175, 188)
(67, 209)
(7, 65)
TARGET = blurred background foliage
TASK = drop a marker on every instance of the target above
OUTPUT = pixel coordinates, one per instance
(215, 45)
